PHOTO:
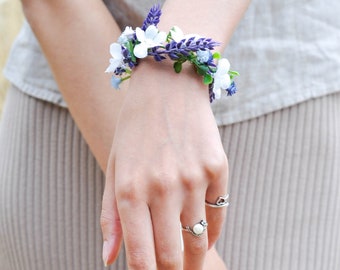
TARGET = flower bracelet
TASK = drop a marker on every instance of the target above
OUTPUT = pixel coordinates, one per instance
(136, 44)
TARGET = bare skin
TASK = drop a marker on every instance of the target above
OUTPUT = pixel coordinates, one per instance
(157, 140)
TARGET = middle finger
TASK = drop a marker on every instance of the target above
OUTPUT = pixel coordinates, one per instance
(166, 226)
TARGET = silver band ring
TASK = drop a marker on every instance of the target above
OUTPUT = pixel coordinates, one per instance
(198, 229)
(222, 201)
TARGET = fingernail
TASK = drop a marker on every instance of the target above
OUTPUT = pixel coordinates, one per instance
(106, 252)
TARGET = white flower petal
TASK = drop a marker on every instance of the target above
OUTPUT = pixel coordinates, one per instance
(140, 50)
(160, 38)
(151, 32)
(116, 51)
(223, 66)
(110, 68)
(217, 93)
(177, 34)
(128, 31)
(225, 83)
(113, 65)
(140, 34)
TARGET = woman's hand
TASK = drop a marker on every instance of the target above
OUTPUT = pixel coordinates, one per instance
(166, 160)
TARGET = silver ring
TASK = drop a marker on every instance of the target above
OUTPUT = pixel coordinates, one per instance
(222, 201)
(198, 229)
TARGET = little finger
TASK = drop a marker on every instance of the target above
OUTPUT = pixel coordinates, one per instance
(216, 208)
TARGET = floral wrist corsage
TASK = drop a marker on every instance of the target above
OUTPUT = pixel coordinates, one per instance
(147, 40)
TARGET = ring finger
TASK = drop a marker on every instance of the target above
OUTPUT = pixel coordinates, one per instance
(195, 237)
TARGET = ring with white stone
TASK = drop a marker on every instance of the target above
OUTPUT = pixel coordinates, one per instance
(198, 229)
(221, 201)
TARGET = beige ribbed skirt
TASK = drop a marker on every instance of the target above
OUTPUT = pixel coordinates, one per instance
(284, 186)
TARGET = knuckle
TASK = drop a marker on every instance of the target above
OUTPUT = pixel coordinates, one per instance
(127, 191)
(197, 247)
(168, 261)
(164, 183)
(192, 180)
(216, 165)
(105, 219)
(109, 223)
(139, 260)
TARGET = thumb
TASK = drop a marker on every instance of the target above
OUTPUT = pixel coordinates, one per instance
(110, 221)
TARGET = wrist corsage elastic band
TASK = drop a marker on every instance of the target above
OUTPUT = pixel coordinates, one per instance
(136, 44)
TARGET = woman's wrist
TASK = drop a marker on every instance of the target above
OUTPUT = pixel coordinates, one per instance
(156, 82)
(147, 41)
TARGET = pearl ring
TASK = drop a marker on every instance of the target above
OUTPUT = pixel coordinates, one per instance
(198, 229)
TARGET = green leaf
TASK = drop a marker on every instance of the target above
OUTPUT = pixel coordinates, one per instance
(233, 73)
(202, 69)
(207, 79)
(178, 67)
(168, 37)
(216, 55)
(130, 48)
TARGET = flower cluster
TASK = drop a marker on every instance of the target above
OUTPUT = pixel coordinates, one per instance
(147, 40)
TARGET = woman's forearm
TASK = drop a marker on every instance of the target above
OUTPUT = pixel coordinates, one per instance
(214, 19)
(75, 37)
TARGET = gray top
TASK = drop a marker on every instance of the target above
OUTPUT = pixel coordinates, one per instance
(286, 51)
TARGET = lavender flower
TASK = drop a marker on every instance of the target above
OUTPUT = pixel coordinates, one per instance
(153, 17)
(231, 90)
(184, 48)
(191, 45)
(128, 58)
(211, 93)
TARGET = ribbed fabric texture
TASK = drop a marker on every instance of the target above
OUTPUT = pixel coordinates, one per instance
(284, 186)
(50, 191)
(285, 189)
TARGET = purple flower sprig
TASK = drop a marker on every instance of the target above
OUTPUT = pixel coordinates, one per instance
(153, 17)
(136, 44)
(184, 48)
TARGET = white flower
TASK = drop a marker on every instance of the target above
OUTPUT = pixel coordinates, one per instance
(148, 39)
(117, 57)
(126, 35)
(221, 77)
(178, 35)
